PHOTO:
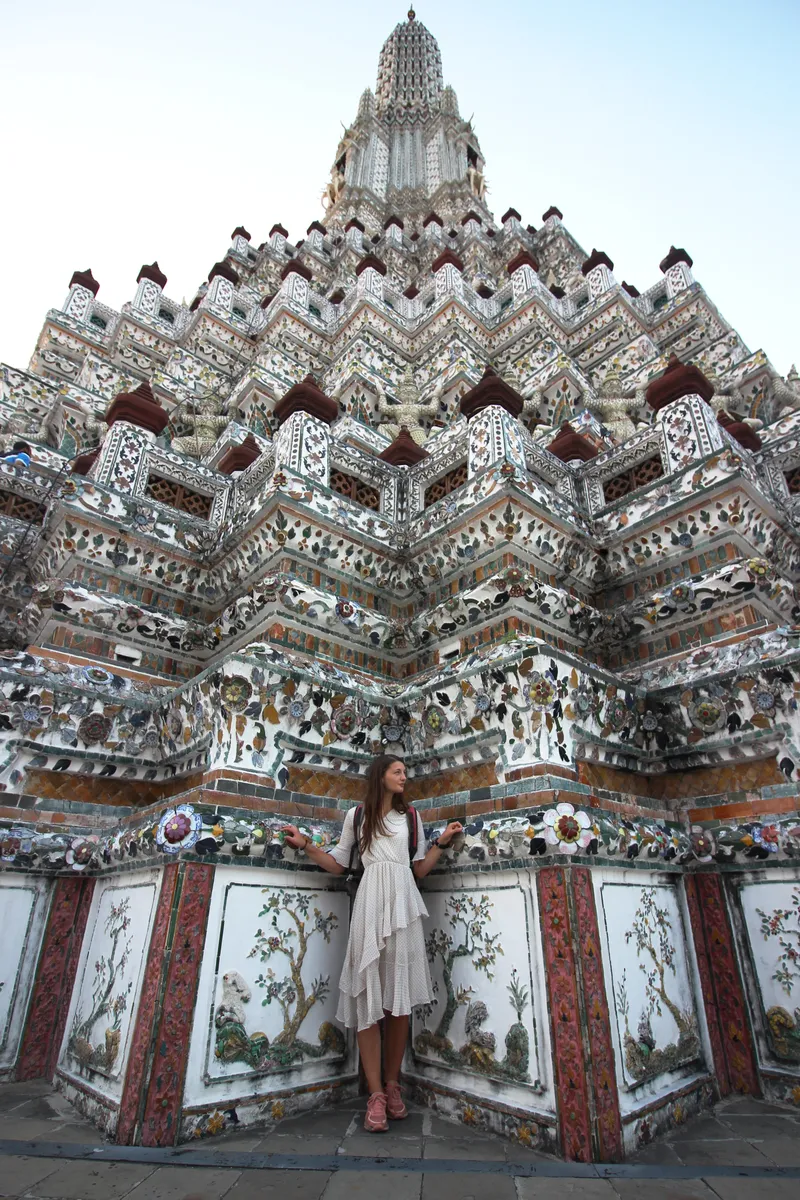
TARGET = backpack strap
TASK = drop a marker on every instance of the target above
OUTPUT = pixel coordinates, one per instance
(355, 849)
(413, 832)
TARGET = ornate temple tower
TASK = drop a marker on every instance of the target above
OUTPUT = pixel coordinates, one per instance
(424, 481)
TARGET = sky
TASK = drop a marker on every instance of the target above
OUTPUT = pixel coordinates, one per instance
(149, 131)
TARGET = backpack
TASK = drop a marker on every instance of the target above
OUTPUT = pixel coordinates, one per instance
(355, 869)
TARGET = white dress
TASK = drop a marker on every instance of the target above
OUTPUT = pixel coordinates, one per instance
(385, 966)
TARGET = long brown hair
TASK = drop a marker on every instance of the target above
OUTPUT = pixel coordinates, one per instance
(372, 824)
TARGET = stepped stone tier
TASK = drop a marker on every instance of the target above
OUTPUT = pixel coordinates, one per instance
(424, 482)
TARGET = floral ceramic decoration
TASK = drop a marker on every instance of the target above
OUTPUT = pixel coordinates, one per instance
(236, 692)
(566, 829)
(94, 729)
(178, 829)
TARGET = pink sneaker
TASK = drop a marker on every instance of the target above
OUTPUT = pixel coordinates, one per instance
(395, 1108)
(375, 1120)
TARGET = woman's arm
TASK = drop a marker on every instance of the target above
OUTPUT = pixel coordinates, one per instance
(424, 866)
(299, 841)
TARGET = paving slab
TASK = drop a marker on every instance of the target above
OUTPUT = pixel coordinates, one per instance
(784, 1152)
(278, 1185)
(289, 1143)
(565, 1189)
(487, 1149)
(91, 1181)
(666, 1189)
(704, 1127)
(225, 1142)
(68, 1131)
(755, 1189)
(186, 1183)
(18, 1174)
(657, 1154)
(758, 1126)
(457, 1186)
(733, 1153)
(367, 1185)
(329, 1121)
(381, 1145)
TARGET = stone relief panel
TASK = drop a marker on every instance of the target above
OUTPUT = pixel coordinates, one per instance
(483, 1031)
(269, 988)
(107, 987)
(650, 984)
(23, 911)
(771, 914)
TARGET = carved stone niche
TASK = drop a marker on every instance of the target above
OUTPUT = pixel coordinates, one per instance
(679, 380)
(491, 390)
(307, 397)
(139, 407)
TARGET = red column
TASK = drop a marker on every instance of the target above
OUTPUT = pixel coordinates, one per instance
(598, 1019)
(163, 1099)
(142, 1045)
(572, 1087)
(55, 977)
(723, 992)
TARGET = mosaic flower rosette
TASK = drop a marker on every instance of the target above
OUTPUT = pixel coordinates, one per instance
(178, 829)
(567, 830)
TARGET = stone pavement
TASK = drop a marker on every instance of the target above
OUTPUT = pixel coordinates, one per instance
(744, 1150)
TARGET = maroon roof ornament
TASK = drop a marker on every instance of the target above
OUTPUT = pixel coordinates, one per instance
(741, 432)
(337, 297)
(568, 445)
(471, 216)
(278, 229)
(433, 219)
(85, 279)
(154, 273)
(491, 390)
(240, 231)
(531, 229)
(523, 259)
(139, 407)
(354, 223)
(393, 221)
(295, 267)
(371, 260)
(512, 212)
(557, 291)
(319, 227)
(240, 457)
(553, 212)
(404, 451)
(265, 303)
(224, 270)
(411, 292)
(598, 258)
(674, 257)
(307, 397)
(679, 379)
(447, 258)
(84, 462)
(631, 290)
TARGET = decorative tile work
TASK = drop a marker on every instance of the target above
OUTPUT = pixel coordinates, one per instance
(58, 965)
(562, 989)
(164, 1099)
(729, 998)
(601, 1050)
(142, 1048)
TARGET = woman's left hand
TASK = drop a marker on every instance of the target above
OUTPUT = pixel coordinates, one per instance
(450, 832)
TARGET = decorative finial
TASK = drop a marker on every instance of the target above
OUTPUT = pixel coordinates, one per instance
(411, 14)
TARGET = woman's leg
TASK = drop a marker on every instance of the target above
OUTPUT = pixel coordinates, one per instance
(369, 1047)
(395, 1047)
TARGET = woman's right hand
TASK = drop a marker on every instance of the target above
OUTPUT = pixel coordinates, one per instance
(294, 837)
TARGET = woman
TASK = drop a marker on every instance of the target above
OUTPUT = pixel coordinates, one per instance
(385, 971)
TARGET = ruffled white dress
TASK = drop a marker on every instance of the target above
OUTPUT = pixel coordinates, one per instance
(385, 966)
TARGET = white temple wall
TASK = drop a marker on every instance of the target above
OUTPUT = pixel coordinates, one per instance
(94, 1053)
(259, 1043)
(24, 905)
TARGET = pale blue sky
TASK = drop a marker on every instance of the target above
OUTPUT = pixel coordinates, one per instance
(135, 132)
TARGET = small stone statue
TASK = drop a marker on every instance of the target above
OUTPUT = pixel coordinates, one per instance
(408, 409)
(477, 181)
(17, 429)
(612, 408)
(727, 398)
(333, 189)
(207, 424)
(786, 392)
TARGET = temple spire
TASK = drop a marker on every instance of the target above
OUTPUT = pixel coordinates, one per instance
(409, 71)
